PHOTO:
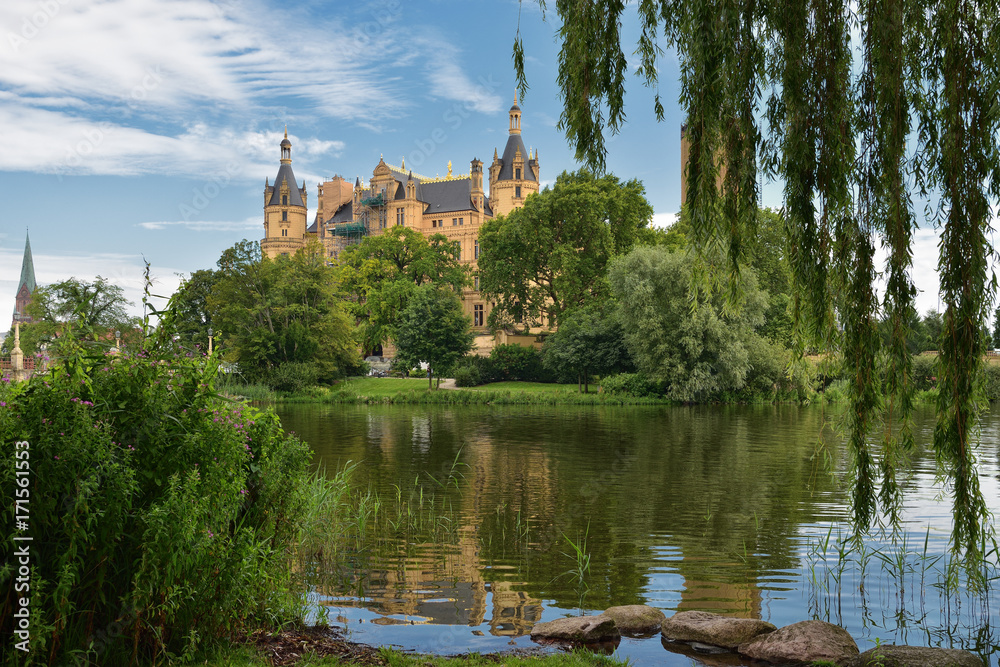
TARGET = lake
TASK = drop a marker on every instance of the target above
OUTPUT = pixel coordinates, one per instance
(478, 521)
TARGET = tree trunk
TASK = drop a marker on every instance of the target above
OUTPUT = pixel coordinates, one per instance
(579, 383)
(430, 379)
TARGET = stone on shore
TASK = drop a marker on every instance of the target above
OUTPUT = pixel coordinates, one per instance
(636, 619)
(891, 655)
(707, 628)
(804, 642)
(578, 630)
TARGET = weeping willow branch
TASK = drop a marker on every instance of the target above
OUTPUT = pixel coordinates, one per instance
(840, 148)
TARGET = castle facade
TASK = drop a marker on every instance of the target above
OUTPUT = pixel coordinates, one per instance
(455, 205)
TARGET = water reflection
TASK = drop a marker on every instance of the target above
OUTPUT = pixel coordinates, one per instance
(705, 508)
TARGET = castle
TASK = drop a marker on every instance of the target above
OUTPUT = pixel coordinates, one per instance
(455, 205)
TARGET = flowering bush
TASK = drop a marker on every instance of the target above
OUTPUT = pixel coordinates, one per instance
(161, 515)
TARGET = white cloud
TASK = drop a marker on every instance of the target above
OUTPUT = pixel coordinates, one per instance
(126, 271)
(207, 225)
(144, 55)
(448, 80)
(664, 220)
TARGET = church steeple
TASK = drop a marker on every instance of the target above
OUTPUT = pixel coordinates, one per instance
(26, 284)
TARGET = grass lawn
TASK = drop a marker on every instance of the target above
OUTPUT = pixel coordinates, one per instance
(533, 387)
(382, 386)
(387, 386)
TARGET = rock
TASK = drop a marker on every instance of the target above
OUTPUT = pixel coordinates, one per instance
(890, 655)
(578, 630)
(806, 641)
(636, 619)
(707, 628)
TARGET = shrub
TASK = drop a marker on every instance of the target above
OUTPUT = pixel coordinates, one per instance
(467, 376)
(925, 370)
(630, 384)
(517, 363)
(161, 515)
(992, 382)
(291, 376)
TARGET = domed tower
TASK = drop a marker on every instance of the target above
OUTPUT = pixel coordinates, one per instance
(284, 209)
(514, 176)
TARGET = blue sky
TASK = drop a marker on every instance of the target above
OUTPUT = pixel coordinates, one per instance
(145, 128)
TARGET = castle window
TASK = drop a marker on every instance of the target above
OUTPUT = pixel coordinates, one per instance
(381, 218)
(284, 216)
(475, 281)
(399, 216)
(284, 232)
(454, 222)
(460, 221)
(477, 249)
(517, 173)
(284, 200)
(517, 191)
(477, 315)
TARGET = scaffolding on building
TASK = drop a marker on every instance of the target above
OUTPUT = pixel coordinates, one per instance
(371, 215)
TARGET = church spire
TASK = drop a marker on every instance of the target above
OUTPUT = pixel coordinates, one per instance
(26, 284)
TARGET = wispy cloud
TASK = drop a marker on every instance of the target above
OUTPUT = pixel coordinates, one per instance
(207, 225)
(130, 87)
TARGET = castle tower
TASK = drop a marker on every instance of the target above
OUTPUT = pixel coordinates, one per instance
(478, 195)
(514, 176)
(25, 286)
(284, 209)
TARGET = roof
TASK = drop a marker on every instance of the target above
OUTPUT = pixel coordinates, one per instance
(446, 196)
(294, 195)
(343, 214)
(27, 268)
(514, 144)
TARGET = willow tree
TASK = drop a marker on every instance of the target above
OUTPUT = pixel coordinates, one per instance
(853, 128)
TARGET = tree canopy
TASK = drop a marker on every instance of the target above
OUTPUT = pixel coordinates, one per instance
(679, 333)
(851, 133)
(590, 341)
(432, 329)
(281, 311)
(83, 310)
(381, 273)
(552, 254)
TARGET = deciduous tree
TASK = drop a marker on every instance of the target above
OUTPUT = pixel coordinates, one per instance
(381, 273)
(852, 133)
(281, 311)
(552, 254)
(432, 329)
(679, 332)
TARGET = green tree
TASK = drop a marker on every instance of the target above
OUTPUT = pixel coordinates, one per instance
(80, 310)
(193, 317)
(590, 341)
(766, 252)
(678, 332)
(841, 122)
(552, 254)
(381, 273)
(432, 329)
(281, 311)
(996, 329)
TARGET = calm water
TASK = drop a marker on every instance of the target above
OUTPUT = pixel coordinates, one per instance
(725, 509)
